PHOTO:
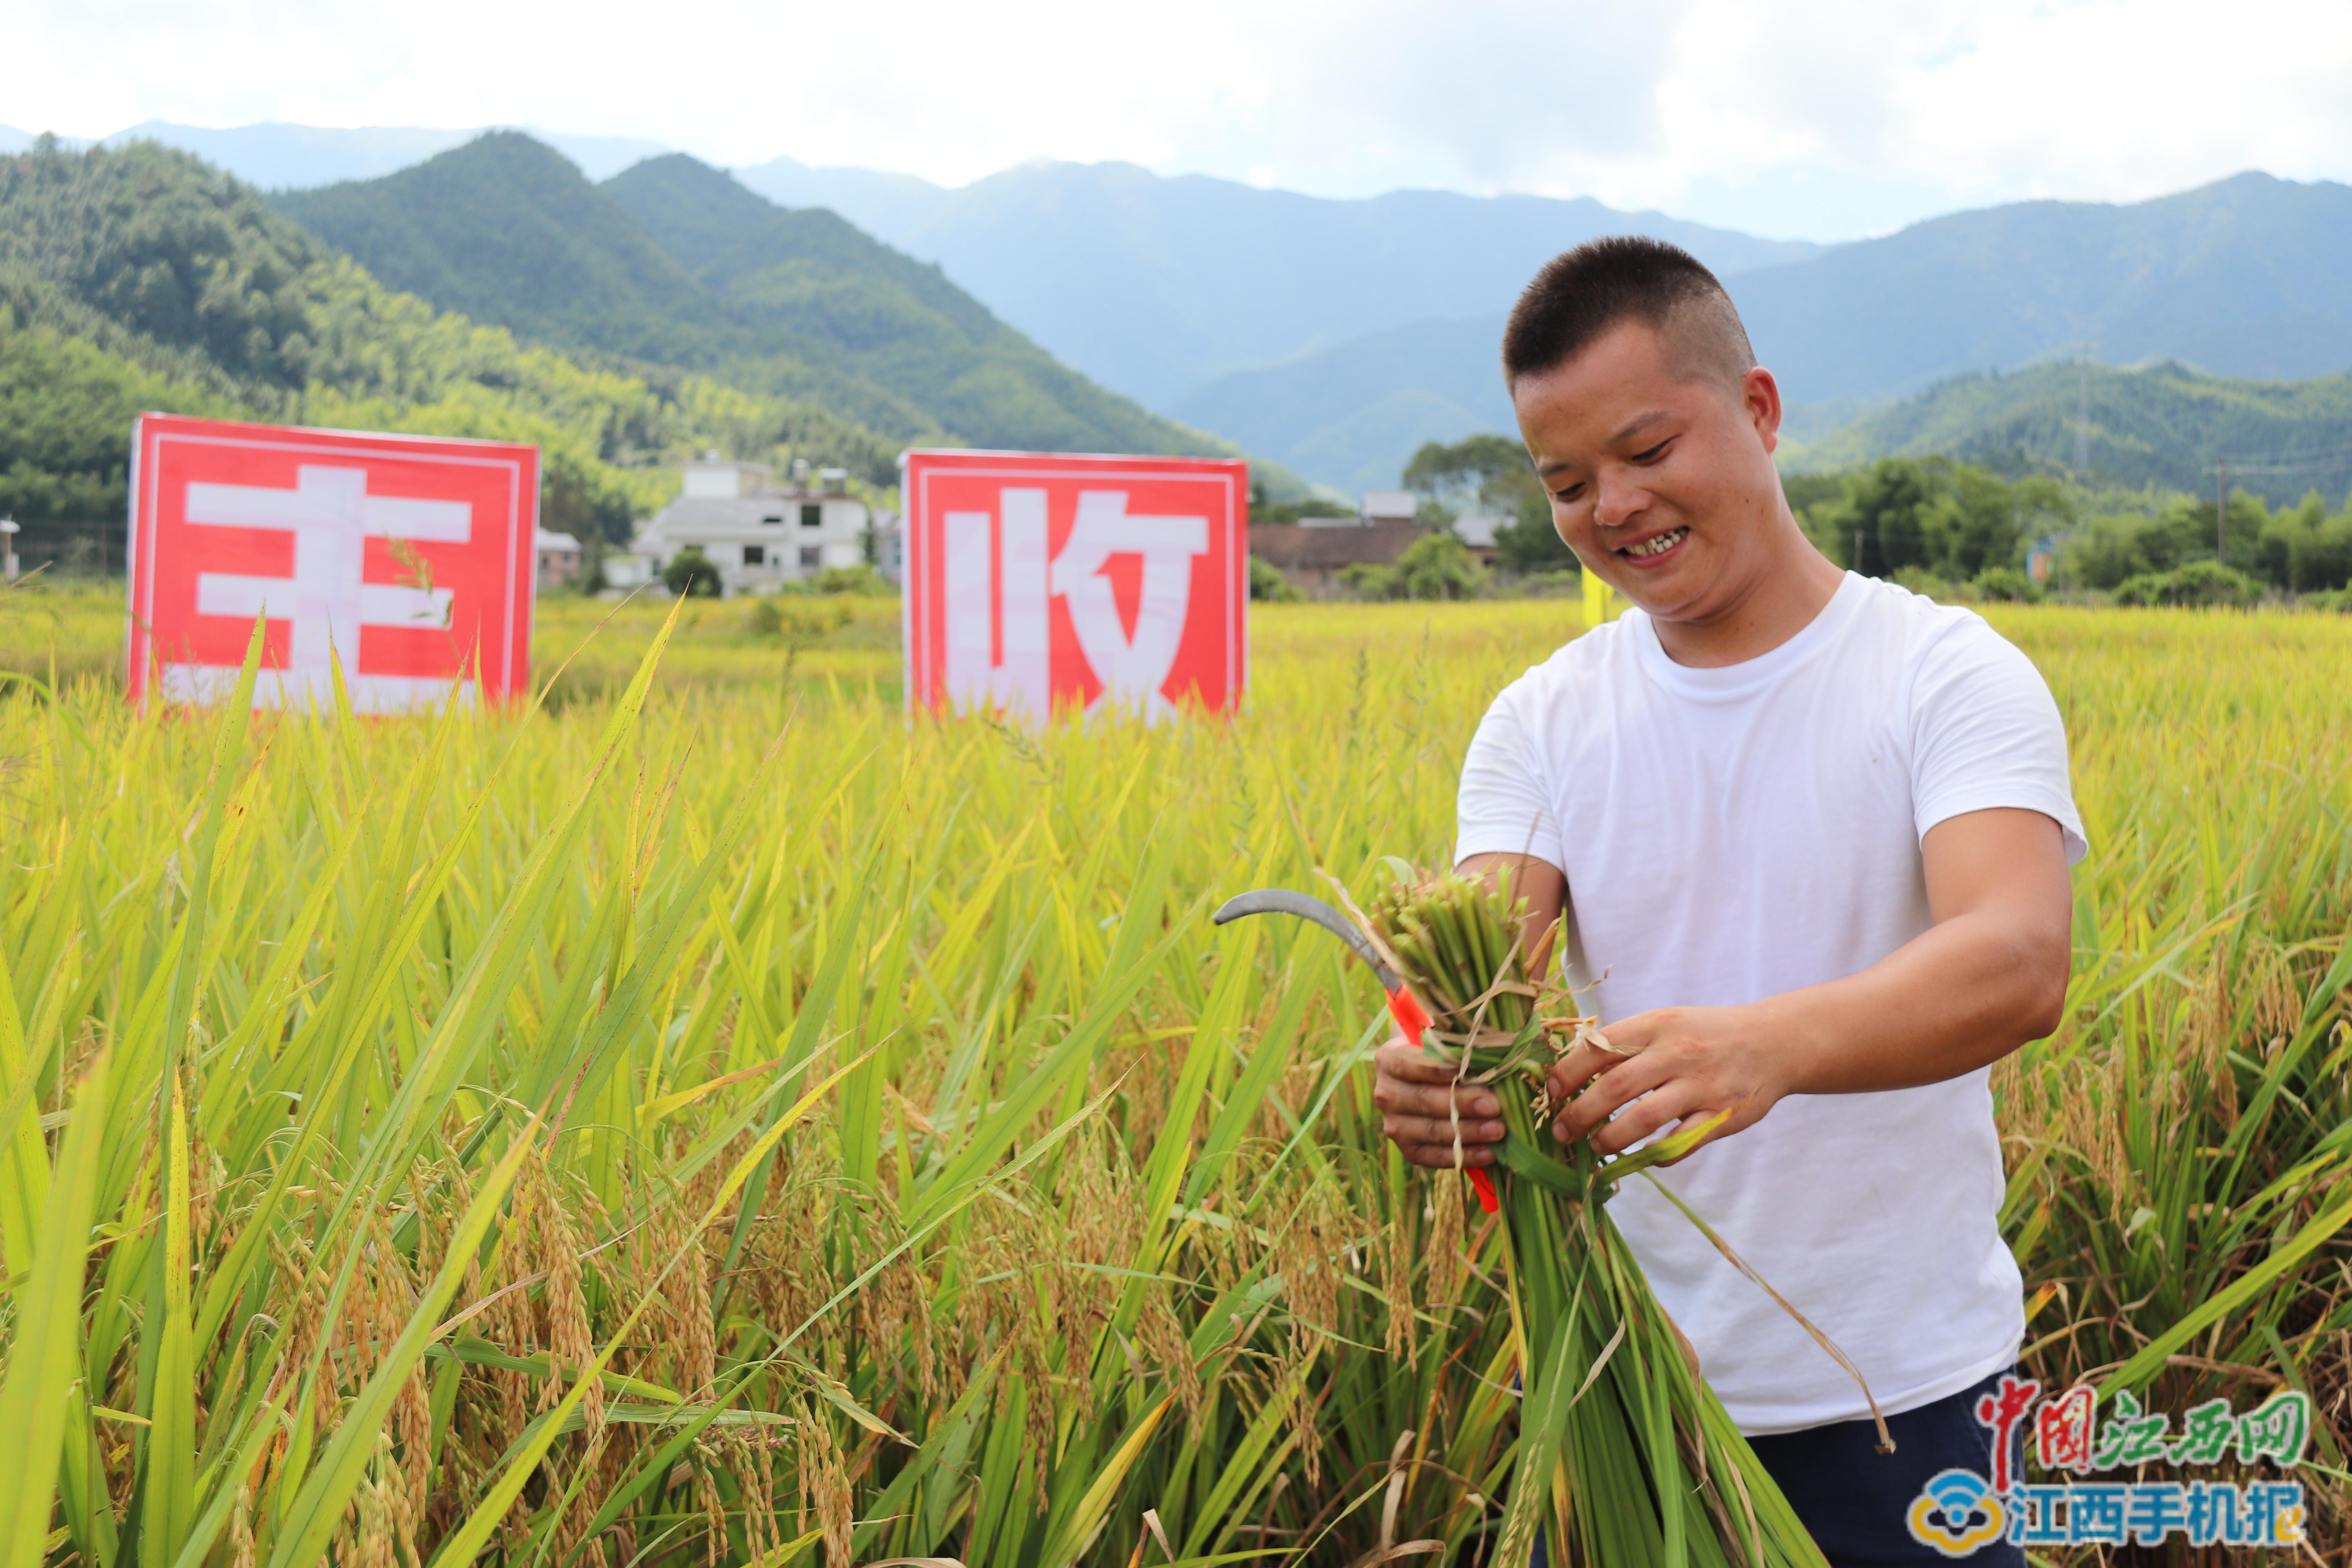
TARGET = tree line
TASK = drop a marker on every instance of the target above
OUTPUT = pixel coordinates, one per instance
(1950, 523)
(1951, 528)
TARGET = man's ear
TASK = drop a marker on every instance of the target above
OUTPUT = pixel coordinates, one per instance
(1759, 396)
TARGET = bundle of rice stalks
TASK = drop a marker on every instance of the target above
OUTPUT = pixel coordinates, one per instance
(1624, 1454)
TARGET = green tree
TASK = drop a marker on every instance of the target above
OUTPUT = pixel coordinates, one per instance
(1437, 566)
(2247, 516)
(693, 574)
(1477, 471)
(1492, 475)
(2112, 549)
(1950, 519)
(2006, 584)
(2322, 561)
(1268, 584)
(2115, 547)
(1527, 546)
(2304, 549)
(574, 499)
(2199, 585)
(1886, 515)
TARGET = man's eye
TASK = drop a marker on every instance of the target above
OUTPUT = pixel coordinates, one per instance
(1654, 453)
(1567, 493)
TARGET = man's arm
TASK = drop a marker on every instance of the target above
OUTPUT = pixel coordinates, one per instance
(1988, 977)
(1417, 1098)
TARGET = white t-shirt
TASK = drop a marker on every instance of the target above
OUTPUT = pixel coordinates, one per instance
(1734, 833)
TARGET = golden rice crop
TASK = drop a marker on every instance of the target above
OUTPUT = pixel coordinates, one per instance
(1625, 1453)
(716, 1119)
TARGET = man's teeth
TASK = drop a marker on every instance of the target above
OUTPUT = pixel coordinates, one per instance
(1663, 542)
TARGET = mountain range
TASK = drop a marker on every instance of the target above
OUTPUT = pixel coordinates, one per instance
(277, 156)
(1343, 415)
(1157, 285)
(1331, 336)
(2239, 278)
(674, 264)
(1150, 285)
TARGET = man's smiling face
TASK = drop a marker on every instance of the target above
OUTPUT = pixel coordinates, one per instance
(1660, 469)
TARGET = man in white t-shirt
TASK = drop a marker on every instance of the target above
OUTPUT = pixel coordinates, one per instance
(1808, 835)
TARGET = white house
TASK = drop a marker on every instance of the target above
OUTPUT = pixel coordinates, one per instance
(759, 536)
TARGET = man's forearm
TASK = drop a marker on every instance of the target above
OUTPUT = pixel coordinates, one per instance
(1962, 994)
(1988, 977)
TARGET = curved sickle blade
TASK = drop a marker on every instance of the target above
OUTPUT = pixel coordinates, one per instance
(1283, 901)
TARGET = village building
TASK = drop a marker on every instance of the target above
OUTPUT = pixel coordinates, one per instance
(758, 535)
(1477, 535)
(1314, 550)
(1312, 557)
(558, 559)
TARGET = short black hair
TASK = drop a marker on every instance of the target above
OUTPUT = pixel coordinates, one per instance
(1582, 293)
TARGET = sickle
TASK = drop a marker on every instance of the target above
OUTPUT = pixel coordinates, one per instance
(1404, 1005)
(1283, 901)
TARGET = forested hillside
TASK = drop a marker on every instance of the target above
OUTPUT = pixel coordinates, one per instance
(676, 265)
(896, 321)
(506, 231)
(2162, 425)
(143, 279)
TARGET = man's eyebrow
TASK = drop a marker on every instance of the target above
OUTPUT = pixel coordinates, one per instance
(1637, 424)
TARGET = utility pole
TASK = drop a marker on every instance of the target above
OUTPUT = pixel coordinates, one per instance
(9, 547)
(2221, 511)
(2083, 410)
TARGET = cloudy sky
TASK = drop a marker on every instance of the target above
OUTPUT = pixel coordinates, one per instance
(1821, 119)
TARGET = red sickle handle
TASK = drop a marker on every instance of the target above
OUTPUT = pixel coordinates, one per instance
(1406, 1009)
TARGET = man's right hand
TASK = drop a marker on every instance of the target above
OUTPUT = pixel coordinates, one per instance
(1419, 1099)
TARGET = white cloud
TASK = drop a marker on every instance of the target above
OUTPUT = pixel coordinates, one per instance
(1823, 115)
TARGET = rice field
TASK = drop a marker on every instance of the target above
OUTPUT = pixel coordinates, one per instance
(713, 1120)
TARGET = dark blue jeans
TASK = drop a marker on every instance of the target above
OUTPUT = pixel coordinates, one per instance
(1855, 1500)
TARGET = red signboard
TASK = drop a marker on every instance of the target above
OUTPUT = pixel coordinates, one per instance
(407, 560)
(1041, 583)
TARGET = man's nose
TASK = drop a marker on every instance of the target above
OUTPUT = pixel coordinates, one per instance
(1616, 499)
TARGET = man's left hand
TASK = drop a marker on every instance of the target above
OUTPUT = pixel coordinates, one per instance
(1988, 977)
(1668, 1065)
